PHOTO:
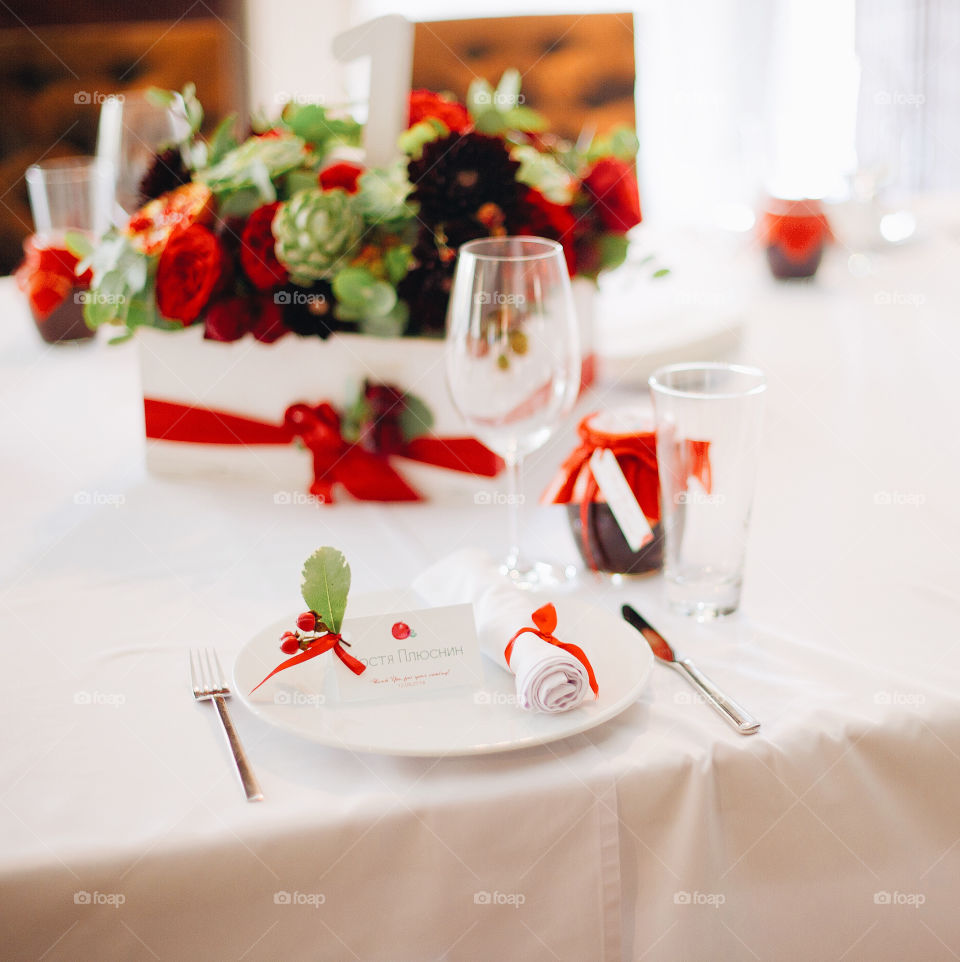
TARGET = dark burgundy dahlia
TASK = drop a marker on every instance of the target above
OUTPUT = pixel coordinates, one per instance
(308, 311)
(167, 172)
(456, 176)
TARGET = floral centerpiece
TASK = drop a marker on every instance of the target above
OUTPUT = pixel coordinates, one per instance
(280, 233)
(246, 256)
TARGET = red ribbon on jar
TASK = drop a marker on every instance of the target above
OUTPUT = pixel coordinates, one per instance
(628, 433)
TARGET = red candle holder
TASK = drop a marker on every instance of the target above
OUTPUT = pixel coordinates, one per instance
(795, 233)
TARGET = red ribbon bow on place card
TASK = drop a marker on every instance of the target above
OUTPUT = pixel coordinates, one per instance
(545, 619)
(366, 475)
(317, 647)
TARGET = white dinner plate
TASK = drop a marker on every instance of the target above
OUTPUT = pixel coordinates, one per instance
(464, 721)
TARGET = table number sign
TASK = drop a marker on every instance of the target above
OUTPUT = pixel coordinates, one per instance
(409, 654)
(387, 42)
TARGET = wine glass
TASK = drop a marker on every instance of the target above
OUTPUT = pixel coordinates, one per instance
(132, 129)
(513, 362)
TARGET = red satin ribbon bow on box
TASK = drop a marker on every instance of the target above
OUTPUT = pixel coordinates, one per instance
(366, 475)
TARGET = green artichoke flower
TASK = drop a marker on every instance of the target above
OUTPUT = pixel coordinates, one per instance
(316, 232)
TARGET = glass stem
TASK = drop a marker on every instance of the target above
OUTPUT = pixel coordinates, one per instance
(514, 464)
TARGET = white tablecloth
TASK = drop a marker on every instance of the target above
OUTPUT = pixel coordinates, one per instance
(661, 835)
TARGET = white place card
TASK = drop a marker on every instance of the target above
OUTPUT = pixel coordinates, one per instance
(409, 654)
(621, 499)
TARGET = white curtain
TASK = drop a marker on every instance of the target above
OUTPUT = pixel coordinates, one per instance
(908, 123)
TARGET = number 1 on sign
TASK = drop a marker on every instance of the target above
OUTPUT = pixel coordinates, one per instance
(388, 42)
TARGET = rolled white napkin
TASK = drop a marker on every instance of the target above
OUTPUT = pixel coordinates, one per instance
(548, 678)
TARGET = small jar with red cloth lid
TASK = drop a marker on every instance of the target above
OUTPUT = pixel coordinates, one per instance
(54, 291)
(795, 233)
(628, 433)
(67, 195)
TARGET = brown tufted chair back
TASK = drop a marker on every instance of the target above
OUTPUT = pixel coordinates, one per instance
(53, 79)
(577, 69)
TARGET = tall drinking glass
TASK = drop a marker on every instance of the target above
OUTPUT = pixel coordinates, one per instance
(513, 362)
(67, 194)
(708, 420)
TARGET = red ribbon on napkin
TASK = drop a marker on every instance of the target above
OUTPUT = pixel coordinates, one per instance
(545, 619)
(366, 475)
(317, 647)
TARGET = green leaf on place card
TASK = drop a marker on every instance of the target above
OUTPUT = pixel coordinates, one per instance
(662, 272)
(326, 584)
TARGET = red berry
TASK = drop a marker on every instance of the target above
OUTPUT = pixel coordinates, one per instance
(401, 631)
(307, 621)
(289, 643)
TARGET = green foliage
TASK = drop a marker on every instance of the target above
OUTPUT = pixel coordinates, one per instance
(223, 140)
(122, 290)
(415, 419)
(544, 172)
(255, 165)
(613, 250)
(326, 584)
(382, 195)
(621, 142)
(361, 295)
(413, 141)
(314, 125)
(497, 111)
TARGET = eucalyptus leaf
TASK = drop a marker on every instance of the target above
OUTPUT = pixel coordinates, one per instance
(525, 118)
(79, 244)
(397, 261)
(613, 250)
(326, 584)
(489, 121)
(160, 97)
(242, 203)
(357, 288)
(412, 141)
(223, 140)
(508, 90)
(391, 324)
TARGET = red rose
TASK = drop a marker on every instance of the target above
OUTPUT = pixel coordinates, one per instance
(343, 174)
(425, 104)
(613, 186)
(188, 271)
(268, 323)
(257, 254)
(229, 319)
(540, 217)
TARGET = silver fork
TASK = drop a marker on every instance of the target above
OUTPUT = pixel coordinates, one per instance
(209, 681)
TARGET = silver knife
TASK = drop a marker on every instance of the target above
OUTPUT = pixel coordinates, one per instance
(732, 712)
